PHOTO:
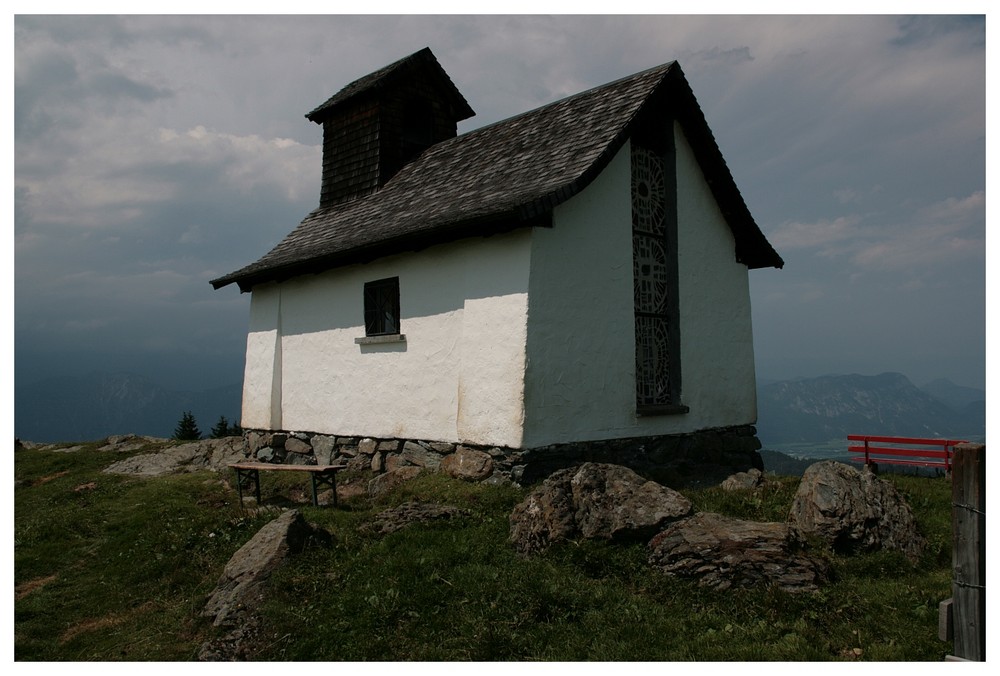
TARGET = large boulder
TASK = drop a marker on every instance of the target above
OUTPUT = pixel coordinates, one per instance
(854, 510)
(594, 500)
(722, 552)
(240, 586)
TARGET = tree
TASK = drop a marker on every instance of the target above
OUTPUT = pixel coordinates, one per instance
(235, 430)
(224, 429)
(187, 428)
(221, 428)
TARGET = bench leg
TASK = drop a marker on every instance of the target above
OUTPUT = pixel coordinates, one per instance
(328, 479)
(243, 478)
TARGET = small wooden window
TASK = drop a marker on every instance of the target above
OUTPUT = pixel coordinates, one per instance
(382, 307)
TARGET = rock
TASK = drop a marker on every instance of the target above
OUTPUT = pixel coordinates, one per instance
(615, 503)
(390, 446)
(417, 455)
(439, 447)
(723, 552)
(595, 500)
(166, 461)
(394, 462)
(349, 450)
(467, 464)
(220, 453)
(214, 454)
(384, 483)
(378, 462)
(358, 463)
(545, 516)
(854, 510)
(124, 443)
(367, 446)
(239, 588)
(297, 446)
(744, 481)
(394, 519)
(323, 448)
(257, 441)
(299, 458)
(265, 454)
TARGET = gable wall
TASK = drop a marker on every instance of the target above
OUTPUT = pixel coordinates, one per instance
(457, 377)
(580, 380)
(719, 380)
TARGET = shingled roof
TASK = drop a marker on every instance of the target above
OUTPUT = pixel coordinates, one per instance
(383, 77)
(507, 175)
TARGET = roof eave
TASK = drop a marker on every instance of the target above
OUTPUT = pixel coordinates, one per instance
(486, 226)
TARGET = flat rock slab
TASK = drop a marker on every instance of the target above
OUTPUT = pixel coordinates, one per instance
(722, 552)
(594, 500)
(213, 454)
(854, 510)
(397, 518)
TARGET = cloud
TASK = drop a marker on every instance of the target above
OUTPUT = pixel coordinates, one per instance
(153, 153)
(818, 235)
(943, 234)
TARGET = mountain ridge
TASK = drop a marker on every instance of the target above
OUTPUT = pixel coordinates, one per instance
(802, 410)
(810, 410)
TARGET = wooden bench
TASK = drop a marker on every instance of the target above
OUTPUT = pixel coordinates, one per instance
(247, 472)
(900, 451)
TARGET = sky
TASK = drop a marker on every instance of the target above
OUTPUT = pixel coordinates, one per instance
(155, 153)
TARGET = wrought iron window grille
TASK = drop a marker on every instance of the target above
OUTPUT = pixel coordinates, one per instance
(382, 307)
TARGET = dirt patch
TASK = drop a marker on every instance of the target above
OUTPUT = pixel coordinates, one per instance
(25, 588)
(51, 477)
(98, 623)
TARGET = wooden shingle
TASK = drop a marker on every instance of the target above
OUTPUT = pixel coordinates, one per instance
(500, 177)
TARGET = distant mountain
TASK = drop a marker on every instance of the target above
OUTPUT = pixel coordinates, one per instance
(956, 396)
(831, 407)
(101, 404)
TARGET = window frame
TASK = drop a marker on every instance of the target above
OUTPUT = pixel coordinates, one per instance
(381, 302)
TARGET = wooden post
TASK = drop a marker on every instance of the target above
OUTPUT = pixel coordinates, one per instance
(968, 497)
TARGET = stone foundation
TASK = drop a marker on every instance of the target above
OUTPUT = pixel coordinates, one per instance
(697, 458)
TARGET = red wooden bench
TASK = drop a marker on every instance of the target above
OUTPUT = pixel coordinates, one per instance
(913, 451)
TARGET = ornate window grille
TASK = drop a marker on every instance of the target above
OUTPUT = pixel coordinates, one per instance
(653, 275)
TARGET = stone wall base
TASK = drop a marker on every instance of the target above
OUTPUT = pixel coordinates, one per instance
(698, 458)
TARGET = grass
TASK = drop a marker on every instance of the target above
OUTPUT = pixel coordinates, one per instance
(113, 568)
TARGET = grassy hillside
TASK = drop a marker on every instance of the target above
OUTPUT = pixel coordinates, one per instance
(118, 568)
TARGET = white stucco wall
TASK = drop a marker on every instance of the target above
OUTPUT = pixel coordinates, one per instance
(580, 379)
(459, 375)
(520, 340)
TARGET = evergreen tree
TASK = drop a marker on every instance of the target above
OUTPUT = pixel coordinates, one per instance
(187, 428)
(221, 428)
(235, 430)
